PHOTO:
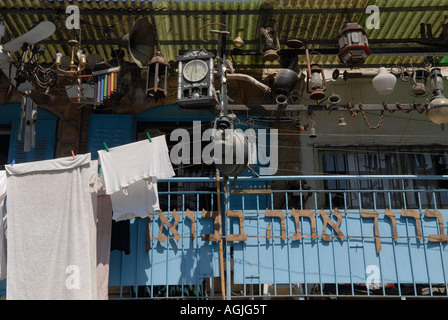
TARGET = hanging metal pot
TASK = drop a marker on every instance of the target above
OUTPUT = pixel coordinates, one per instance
(236, 144)
(285, 81)
(228, 141)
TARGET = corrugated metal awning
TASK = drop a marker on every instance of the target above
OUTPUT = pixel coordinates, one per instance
(177, 24)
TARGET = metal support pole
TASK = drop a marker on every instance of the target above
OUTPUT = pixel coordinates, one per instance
(226, 228)
(221, 249)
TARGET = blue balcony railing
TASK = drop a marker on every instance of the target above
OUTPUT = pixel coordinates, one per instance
(290, 237)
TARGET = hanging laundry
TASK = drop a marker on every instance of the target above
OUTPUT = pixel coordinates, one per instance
(121, 236)
(130, 176)
(104, 234)
(3, 225)
(50, 227)
(129, 163)
(28, 118)
(140, 198)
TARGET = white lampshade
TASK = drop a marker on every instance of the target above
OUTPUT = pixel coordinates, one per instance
(438, 110)
(384, 82)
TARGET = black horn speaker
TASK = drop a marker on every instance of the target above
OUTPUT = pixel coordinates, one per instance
(139, 42)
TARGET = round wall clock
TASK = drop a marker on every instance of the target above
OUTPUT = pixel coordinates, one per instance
(195, 70)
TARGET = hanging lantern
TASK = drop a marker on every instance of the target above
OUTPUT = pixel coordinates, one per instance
(438, 108)
(315, 83)
(269, 43)
(419, 82)
(156, 83)
(353, 45)
(384, 82)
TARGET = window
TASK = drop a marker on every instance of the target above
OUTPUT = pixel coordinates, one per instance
(385, 161)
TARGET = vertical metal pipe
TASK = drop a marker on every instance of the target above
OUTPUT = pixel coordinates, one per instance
(227, 244)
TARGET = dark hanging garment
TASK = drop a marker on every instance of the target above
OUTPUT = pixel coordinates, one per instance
(121, 236)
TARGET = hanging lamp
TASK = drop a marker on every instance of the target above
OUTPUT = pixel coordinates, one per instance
(384, 83)
(438, 108)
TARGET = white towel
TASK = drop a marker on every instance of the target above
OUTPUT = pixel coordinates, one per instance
(129, 163)
(3, 232)
(50, 243)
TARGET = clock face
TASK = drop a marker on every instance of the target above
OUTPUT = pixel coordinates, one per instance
(195, 70)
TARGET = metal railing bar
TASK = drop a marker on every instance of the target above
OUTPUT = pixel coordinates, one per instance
(332, 246)
(362, 238)
(424, 246)
(407, 232)
(348, 251)
(395, 253)
(441, 255)
(318, 253)
(308, 177)
(288, 247)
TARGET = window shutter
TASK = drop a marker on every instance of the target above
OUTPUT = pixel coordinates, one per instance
(114, 130)
(45, 142)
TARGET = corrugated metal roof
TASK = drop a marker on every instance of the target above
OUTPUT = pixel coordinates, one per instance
(177, 23)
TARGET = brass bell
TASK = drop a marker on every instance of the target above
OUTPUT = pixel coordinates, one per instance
(342, 122)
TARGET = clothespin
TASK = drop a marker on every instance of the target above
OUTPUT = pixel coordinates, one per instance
(149, 137)
(105, 146)
(13, 162)
(73, 154)
(99, 173)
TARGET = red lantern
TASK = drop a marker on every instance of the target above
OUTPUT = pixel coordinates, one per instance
(353, 45)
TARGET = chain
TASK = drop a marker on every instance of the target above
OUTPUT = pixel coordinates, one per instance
(401, 107)
(350, 109)
(387, 107)
(380, 122)
(417, 107)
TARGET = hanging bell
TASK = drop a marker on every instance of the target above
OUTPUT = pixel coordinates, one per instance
(341, 122)
(313, 132)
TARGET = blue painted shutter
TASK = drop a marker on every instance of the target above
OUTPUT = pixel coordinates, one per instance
(115, 130)
(45, 142)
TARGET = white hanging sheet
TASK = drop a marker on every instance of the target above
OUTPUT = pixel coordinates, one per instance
(3, 225)
(51, 230)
